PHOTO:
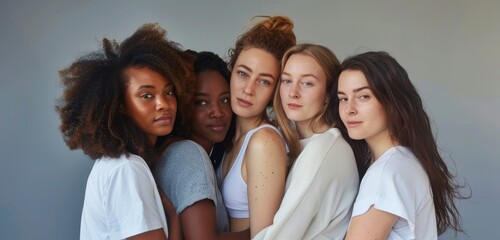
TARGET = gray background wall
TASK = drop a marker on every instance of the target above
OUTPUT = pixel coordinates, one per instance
(450, 49)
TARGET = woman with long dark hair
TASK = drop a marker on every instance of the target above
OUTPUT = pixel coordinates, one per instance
(407, 191)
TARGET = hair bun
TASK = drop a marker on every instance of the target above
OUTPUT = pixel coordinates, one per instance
(278, 23)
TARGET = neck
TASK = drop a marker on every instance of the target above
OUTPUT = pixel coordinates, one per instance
(152, 140)
(243, 125)
(304, 129)
(380, 145)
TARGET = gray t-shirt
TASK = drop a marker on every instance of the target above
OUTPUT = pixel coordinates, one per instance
(187, 176)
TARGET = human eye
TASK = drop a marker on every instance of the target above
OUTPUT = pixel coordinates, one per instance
(342, 99)
(286, 81)
(242, 74)
(265, 82)
(224, 101)
(169, 92)
(308, 84)
(364, 97)
(146, 96)
(200, 102)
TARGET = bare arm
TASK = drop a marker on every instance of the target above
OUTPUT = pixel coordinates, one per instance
(156, 234)
(374, 224)
(199, 222)
(173, 221)
(265, 172)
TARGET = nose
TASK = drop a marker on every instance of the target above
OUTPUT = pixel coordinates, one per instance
(249, 88)
(162, 104)
(294, 93)
(350, 107)
(215, 111)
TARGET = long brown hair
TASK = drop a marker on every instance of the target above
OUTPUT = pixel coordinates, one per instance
(329, 65)
(409, 125)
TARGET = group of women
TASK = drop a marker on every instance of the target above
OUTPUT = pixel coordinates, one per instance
(283, 142)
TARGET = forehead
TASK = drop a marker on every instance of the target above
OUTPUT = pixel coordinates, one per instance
(144, 75)
(211, 79)
(258, 59)
(303, 64)
(352, 79)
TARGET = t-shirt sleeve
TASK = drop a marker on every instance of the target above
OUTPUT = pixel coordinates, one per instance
(130, 201)
(390, 188)
(186, 175)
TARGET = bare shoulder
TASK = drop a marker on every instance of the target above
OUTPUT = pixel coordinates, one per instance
(266, 138)
(266, 147)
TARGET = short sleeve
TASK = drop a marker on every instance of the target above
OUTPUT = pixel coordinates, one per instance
(186, 175)
(129, 197)
(390, 187)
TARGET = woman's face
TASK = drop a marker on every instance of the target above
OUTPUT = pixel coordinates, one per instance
(150, 102)
(253, 80)
(302, 89)
(360, 111)
(212, 110)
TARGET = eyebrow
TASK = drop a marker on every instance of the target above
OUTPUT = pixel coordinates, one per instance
(355, 90)
(262, 74)
(196, 94)
(146, 87)
(153, 87)
(302, 76)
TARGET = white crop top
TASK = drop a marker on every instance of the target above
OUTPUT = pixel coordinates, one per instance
(233, 187)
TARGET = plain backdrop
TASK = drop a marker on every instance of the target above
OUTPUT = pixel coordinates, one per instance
(450, 48)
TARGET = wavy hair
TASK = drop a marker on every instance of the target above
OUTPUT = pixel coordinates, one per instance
(273, 34)
(408, 125)
(93, 90)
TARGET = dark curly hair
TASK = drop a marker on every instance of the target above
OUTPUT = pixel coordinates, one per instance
(209, 61)
(94, 90)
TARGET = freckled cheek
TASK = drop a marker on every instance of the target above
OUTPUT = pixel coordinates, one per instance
(283, 92)
(342, 112)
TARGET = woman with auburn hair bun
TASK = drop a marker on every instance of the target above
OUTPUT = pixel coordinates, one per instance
(116, 103)
(253, 171)
(323, 180)
(407, 191)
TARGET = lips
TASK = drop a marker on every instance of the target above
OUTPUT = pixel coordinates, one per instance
(244, 103)
(293, 106)
(164, 120)
(353, 124)
(217, 127)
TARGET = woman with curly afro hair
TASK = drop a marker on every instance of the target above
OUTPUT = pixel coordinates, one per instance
(115, 105)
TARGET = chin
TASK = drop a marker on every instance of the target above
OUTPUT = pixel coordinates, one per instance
(355, 136)
(216, 140)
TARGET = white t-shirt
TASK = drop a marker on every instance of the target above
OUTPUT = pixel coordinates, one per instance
(397, 183)
(121, 200)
